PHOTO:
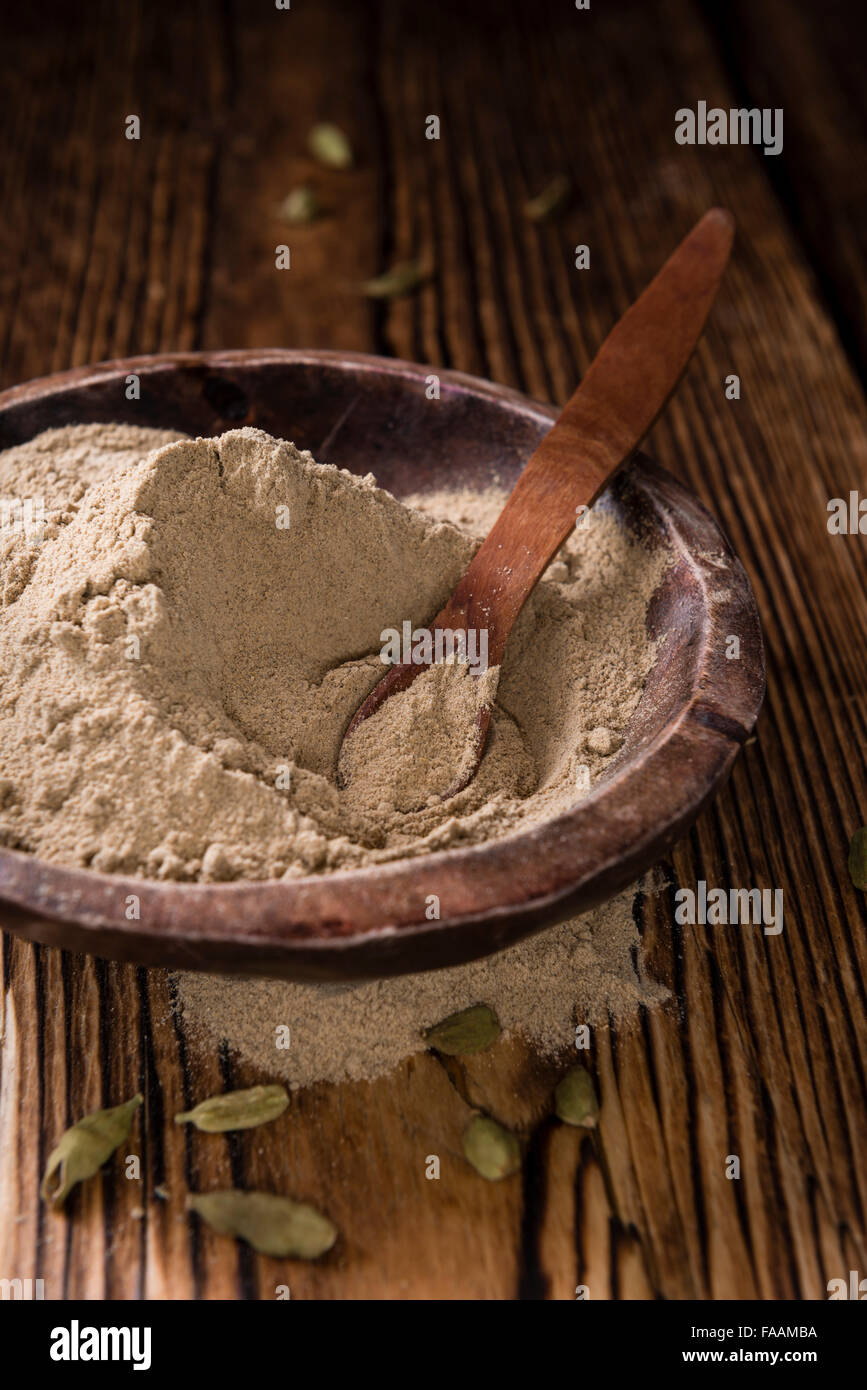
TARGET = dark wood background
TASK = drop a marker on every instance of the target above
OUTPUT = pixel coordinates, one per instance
(110, 247)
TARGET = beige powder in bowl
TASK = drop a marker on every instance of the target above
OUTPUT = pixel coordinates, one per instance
(182, 647)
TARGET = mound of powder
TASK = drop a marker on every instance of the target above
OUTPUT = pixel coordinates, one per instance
(183, 645)
(580, 972)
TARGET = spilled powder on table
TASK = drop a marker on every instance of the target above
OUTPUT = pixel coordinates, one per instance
(583, 971)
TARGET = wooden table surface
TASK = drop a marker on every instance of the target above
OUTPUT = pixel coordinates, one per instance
(110, 247)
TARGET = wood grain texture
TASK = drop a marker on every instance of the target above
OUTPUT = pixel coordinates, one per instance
(108, 246)
(813, 71)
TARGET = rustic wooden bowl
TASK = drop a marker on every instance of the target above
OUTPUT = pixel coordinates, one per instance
(372, 415)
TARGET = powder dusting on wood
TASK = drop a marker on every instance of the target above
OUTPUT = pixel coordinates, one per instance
(581, 972)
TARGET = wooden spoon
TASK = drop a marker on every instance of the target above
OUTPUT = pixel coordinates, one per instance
(628, 383)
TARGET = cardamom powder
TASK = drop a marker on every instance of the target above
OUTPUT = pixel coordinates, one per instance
(182, 648)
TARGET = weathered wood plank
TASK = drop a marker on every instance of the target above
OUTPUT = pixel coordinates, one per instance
(808, 61)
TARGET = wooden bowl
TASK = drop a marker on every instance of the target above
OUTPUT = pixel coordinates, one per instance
(372, 415)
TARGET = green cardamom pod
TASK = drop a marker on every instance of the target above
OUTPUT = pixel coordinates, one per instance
(462, 1034)
(493, 1151)
(84, 1148)
(272, 1225)
(401, 279)
(575, 1099)
(300, 206)
(550, 200)
(330, 146)
(236, 1109)
(858, 858)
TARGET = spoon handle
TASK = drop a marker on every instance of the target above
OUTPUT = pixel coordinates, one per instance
(626, 387)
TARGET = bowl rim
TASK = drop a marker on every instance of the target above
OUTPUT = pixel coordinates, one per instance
(356, 921)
